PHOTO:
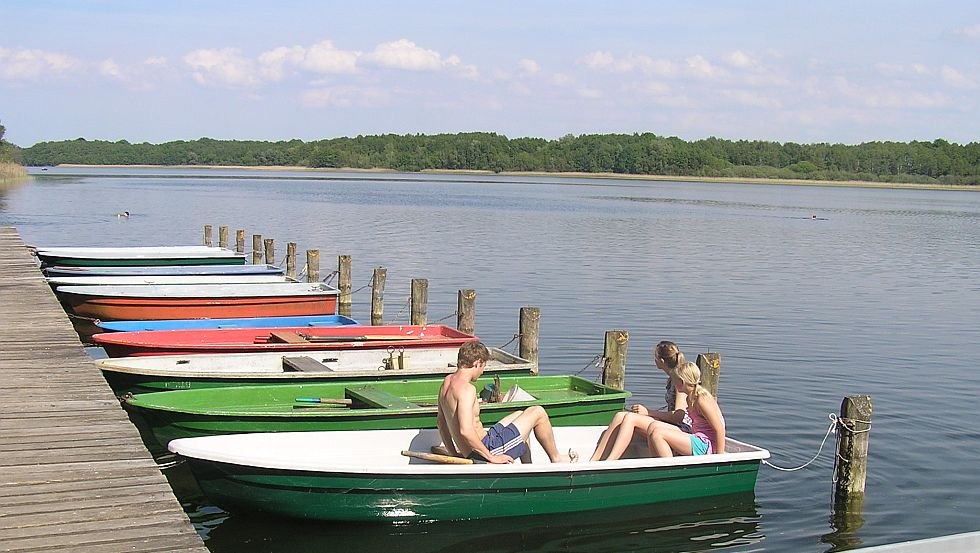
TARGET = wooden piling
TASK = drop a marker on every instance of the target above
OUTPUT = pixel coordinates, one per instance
(420, 300)
(240, 241)
(527, 330)
(291, 260)
(854, 429)
(466, 311)
(344, 285)
(256, 249)
(710, 365)
(207, 236)
(270, 251)
(222, 237)
(614, 352)
(378, 295)
(312, 265)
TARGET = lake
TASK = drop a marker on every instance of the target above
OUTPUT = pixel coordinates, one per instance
(809, 293)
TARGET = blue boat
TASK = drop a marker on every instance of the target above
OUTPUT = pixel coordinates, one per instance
(164, 270)
(252, 322)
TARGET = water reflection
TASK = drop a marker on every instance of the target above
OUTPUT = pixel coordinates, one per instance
(717, 524)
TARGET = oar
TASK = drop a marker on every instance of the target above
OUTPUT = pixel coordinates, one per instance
(362, 338)
(447, 459)
(326, 400)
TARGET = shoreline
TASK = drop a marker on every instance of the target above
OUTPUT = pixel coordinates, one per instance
(474, 172)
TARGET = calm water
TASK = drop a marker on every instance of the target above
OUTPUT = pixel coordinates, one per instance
(878, 295)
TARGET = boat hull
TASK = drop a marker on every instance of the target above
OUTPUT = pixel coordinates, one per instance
(171, 415)
(126, 309)
(164, 270)
(137, 256)
(413, 492)
(244, 322)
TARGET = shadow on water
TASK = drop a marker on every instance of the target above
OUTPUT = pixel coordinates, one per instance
(722, 523)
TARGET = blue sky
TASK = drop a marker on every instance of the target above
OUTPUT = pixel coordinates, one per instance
(831, 71)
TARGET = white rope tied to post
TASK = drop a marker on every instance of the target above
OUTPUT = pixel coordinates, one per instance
(834, 421)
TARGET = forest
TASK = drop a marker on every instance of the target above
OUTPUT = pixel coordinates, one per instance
(935, 162)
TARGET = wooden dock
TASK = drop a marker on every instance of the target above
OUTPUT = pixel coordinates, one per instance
(74, 474)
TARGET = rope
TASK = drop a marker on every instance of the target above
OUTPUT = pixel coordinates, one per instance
(834, 421)
(449, 316)
(596, 362)
(329, 277)
(368, 285)
(516, 336)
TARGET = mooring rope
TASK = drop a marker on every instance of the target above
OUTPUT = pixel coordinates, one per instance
(846, 425)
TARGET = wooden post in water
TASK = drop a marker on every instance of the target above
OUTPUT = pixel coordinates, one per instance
(614, 352)
(270, 251)
(378, 295)
(466, 311)
(420, 300)
(344, 285)
(312, 265)
(291, 260)
(240, 241)
(207, 236)
(222, 237)
(256, 249)
(854, 429)
(527, 330)
(710, 365)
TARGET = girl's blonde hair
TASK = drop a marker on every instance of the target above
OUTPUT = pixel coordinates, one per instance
(690, 374)
(670, 353)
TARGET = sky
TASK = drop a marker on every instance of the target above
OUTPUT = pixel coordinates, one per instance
(153, 71)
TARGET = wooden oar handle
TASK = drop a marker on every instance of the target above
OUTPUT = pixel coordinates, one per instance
(435, 457)
(328, 400)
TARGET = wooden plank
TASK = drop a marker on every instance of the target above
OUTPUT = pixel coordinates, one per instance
(304, 363)
(286, 337)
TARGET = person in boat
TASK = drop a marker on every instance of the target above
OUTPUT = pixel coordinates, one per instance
(618, 436)
(459, 417)
(707, 434)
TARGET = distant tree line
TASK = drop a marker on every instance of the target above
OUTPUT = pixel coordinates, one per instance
(8, 152)
(938, 161)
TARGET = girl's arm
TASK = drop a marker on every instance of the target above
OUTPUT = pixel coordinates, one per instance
(675, 417)
(712, 413)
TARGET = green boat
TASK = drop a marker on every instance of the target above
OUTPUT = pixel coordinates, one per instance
(365, 476)
(381, 405)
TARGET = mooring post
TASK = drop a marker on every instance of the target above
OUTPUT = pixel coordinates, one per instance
(256, 249)
(223, 237)
(207, 236)
(527, 331)
(270, 251)
(614, 352)
(466, 311)
(240, 241)
(710, 365)
(291, 260)
(312, 265)
(854, 429)
(344, 285)
(378, 295)
(420, 300)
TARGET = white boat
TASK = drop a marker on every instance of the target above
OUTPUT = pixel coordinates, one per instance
(140, 255)
(164, 279)
(363, 475)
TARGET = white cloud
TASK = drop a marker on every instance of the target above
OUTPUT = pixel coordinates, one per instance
(529, 67)
(110, 68)
(158, 61)
(887, 97)
(590, 93)
(955, 78)
(26, 64)
(970, 32)
(656, 88)
(740, 60)
(467, 71)
(405, 54)
(700, 67)
(560, 79)
(606, 62)
(344, 97)
(753, 99)
(224, 66)
(324, 57)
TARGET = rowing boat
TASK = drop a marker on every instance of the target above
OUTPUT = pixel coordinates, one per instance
(141, 256)
(241, 322)
(164, 270)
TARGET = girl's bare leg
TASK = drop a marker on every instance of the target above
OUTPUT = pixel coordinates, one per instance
(601, 449)
(631, 423)
(664, 439)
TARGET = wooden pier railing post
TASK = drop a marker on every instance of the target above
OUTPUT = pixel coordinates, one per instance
(420, 300)
(270, 251)
(854, 429)
(614, 367)
(527, 331)
(710, 365)
(256, 249)
(466, 311)
(240, 241)
(312, 265)
(222, 237)
(291, 260)
(344, 285)
(378, 295)
(207, 236)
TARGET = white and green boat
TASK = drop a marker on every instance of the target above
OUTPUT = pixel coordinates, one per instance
(362, 475)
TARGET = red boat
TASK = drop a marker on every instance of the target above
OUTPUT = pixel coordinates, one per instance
(199, 301)
(393, 338)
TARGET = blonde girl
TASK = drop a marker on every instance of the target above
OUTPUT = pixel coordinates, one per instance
(617, 437)
(707, 433)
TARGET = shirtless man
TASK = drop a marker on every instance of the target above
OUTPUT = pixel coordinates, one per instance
(459, 417)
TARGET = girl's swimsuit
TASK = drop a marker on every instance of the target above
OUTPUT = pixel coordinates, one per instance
(670, 397)
(702, 432)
